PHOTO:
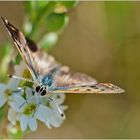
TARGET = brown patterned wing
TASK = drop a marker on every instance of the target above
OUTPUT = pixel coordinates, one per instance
(64, 76)
(99, 88)
(69, 78)
(44, 62)
(40, 64)
(67, 81)
(25, 49)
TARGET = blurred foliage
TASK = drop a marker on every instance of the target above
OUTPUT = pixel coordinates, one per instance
(44, 22)
(46, 16)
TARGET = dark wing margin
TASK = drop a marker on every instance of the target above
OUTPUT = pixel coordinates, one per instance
(25, 46)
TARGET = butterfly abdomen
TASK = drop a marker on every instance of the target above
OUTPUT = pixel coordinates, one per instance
(31, 45)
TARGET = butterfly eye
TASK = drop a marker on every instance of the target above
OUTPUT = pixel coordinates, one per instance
(43, 92)
(37, 88)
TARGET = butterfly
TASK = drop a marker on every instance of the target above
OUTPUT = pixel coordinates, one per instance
(48, 75)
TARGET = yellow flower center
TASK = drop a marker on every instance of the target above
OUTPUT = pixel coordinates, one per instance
(29, 109)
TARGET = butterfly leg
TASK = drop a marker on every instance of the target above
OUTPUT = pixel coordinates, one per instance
(51, 99)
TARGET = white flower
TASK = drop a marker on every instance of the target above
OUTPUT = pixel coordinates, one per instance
(12, 116)
(30, 110)
(26, 107)
(6, 89)
(3, 97)
(26, 121)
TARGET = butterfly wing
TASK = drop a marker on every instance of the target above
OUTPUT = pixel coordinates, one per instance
(63, 77)
(38, 62)
(41, 64)
(66, 81)
(25, 46)
(68, 78)
(99, 88)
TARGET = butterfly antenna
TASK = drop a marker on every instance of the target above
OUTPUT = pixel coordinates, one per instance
(58, 108)
(20, 78)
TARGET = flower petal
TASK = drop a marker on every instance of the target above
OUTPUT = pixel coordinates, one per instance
(56, 121)
(12, 116)
(43, 113)
(2, 87)
(33, 99)
(23, 122)
(13, 84)
(3, 98)
(17, 102)
(48, 125)
(63, 107)
(28, 92)
(60, 98)
(56, 108)
(32, 123)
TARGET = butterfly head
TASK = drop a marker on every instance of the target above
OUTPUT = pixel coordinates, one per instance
(42, 90)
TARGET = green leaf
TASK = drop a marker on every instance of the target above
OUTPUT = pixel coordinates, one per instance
(55, 22)
(37, 10)
(34, 7)
(30, 8)
(41, 4)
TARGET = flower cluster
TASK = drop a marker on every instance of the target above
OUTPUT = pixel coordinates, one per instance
(26, 107)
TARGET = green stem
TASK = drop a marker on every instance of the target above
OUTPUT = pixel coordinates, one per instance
(44, 12)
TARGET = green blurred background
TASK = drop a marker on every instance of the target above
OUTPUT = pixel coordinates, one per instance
(102, 40)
